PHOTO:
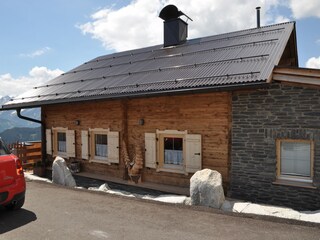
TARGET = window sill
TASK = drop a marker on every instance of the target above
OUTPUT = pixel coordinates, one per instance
(99, 161)
(171, 170)
(293, 183)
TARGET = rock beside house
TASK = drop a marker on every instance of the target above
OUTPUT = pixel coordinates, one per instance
(61, 174)
(206, 189)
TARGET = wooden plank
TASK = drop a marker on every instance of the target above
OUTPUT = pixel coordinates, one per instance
(206, 114)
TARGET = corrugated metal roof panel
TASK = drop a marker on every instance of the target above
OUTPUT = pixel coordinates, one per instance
(242, 57)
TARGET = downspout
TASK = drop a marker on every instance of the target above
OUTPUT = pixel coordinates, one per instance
(43, 132)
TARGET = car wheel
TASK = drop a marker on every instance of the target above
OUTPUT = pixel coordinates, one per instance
(15, 206)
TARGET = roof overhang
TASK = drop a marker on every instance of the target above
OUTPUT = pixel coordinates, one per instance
(301, 76)
(229, 87)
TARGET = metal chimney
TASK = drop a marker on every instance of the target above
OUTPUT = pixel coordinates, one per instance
(258, 16)
(175, 29)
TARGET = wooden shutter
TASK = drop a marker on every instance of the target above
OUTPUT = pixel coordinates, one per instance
(49, 141)
(71, 146)
(113, 147)
(150, 148)
(193, 153)
(85, 144)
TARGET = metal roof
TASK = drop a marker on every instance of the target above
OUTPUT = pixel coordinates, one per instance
(232, 59)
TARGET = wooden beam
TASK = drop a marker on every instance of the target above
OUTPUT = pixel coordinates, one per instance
(297, 75)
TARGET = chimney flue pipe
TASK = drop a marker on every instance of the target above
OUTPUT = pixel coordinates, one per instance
(258, 16)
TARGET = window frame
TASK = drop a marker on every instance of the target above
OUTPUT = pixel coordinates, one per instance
(92, 146)
(64, 135)
(162, 164)
(56, 131)
(192, 154)
(96, 136)
(294, 178)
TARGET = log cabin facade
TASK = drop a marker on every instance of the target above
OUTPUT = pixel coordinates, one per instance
(159, 114)
(165, 118)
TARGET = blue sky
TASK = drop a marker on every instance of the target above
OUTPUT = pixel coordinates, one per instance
(41, 39)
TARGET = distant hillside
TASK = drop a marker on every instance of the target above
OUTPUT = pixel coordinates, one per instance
(21, 134)
(9, 119)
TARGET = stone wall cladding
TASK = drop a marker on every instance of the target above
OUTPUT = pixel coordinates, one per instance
(258, 119)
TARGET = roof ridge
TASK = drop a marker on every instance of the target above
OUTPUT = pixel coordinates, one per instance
(188, 42)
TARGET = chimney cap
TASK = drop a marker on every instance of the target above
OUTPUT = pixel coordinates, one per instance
(171, 12)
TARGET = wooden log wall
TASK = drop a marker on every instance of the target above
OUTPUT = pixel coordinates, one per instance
(208, 114)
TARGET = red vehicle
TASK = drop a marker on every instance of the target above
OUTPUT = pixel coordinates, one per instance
(12, 182)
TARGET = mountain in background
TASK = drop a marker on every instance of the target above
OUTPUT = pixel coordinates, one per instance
(23, 134)
(9, 119)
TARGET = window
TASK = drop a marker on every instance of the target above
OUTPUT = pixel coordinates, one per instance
(173, 151)
(295, 160)
(60, 142)
(100, 145)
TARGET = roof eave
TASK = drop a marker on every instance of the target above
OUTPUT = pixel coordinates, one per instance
(229, 87)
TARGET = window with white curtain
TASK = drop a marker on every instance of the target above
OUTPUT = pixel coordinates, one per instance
(295, 159)
(173, 150)
(171, 147)
(62, 142)
(101, 145)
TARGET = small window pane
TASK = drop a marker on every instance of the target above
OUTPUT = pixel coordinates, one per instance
(295, 159)
(62, 142)
(173, 151)
(101, 145)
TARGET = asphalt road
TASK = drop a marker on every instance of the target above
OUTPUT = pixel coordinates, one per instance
(53, 212)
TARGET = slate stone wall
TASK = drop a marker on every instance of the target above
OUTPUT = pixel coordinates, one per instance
(258, 119)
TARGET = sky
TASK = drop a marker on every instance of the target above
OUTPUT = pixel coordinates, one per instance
(41, 39)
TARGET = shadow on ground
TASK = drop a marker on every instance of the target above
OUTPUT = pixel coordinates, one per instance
(86, 182)
(10, 220)
(89, 182)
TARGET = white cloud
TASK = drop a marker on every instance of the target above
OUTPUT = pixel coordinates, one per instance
(303, 9)
(137, 24)
(37, 76)
(313, 62)
(128, 27)
(36, 53)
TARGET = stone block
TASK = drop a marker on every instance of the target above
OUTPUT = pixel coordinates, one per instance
(206, 189)
(61, 174)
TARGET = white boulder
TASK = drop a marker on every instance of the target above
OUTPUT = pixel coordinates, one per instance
(206, 189)
(61, 174)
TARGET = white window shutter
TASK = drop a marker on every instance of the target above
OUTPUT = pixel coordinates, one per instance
(85, 144)
(71, 146)
(113, 147)
(150, 148)
(49, 141)
(193, 153)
